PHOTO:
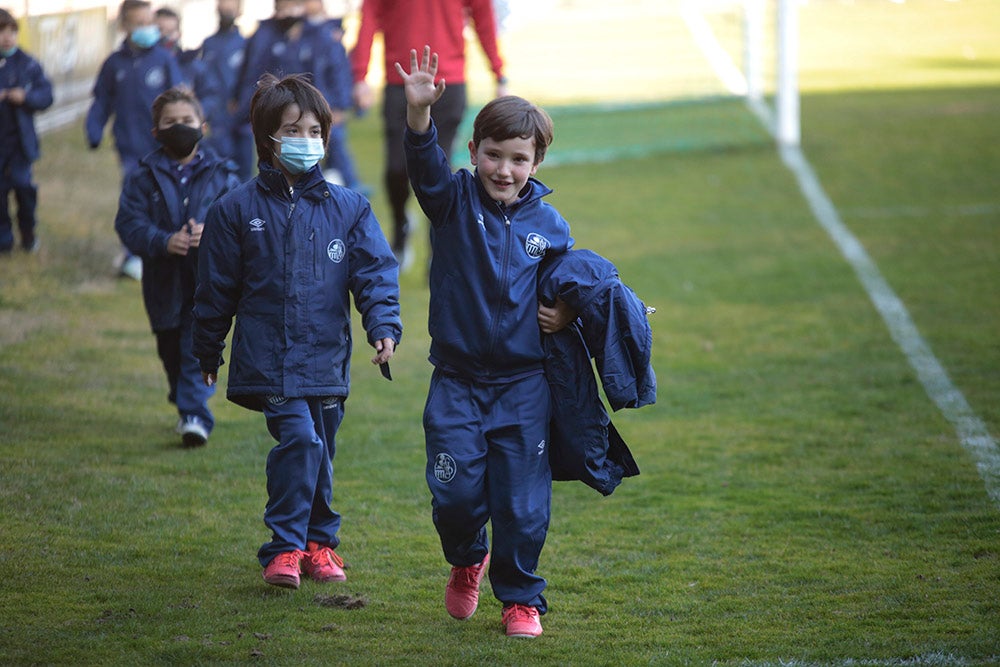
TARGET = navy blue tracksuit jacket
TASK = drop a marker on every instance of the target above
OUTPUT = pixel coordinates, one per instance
(129, 80)
(154, 204)
(286, 262)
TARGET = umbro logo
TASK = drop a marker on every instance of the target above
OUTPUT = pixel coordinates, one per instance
(257, 225)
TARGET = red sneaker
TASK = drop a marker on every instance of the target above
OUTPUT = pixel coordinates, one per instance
(322, 563)
(283, 570)
(520, 620)
(461, 595)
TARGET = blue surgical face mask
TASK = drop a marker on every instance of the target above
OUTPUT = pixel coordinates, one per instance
(145, 36)
(299, 154)
(7, 53)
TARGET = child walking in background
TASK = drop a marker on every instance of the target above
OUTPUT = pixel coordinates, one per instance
(128, 82)
(24, 89)
(160, 219)
(486, 420)
(222, 54)
(283, 254)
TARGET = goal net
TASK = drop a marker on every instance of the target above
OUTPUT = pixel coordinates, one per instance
(637, 77)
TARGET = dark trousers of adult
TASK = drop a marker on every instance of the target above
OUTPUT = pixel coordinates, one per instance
(300, 473)
(187, 388)
(487, 460)
(15, 174)
(447, 114)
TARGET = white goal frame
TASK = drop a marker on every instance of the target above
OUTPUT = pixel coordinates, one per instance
(780, 116)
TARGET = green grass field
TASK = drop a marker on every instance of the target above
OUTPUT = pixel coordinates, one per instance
(802, 501)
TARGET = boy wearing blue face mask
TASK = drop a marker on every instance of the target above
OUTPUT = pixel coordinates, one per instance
(24, 89)
(284, 253)
(128, 82)
(160, 218)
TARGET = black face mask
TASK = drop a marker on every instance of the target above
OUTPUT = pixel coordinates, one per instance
(286, 23)
(179, 139)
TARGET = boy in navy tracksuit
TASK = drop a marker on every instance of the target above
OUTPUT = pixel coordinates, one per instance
(24, 89)
(128, 82)
(161, 215)
(486, 419)
(222, 54)
(195, 74)
(284, 253)
(327, 34)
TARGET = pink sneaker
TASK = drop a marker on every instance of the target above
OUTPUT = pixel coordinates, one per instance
(461, 595)
(283, 570)
(520, 620)
(322, 563)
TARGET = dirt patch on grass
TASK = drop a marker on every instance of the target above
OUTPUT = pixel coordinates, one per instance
(341, 601)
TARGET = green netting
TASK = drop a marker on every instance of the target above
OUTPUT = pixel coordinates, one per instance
(603, 133)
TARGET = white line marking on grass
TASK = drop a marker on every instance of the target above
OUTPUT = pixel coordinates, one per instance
(727, 71)
(970, 428)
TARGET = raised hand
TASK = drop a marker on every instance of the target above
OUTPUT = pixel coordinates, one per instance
(421, 91)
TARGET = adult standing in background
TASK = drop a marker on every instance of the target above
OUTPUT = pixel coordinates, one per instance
(411, 25)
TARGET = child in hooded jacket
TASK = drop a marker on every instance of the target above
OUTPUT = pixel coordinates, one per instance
(161, 214)
(126, 85)
(24, 90)
(284, 253)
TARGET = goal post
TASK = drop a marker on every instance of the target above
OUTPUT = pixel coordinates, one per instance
(766, 75)
(679, 75)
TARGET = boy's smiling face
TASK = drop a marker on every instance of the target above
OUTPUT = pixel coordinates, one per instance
(504, 166)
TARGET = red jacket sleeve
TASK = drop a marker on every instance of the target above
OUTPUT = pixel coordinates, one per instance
(362, 52)
(485, 22)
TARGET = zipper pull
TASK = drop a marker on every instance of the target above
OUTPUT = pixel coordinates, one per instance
(503, 212)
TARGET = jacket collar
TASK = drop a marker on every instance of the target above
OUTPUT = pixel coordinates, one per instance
(158, 160)
(273, 180)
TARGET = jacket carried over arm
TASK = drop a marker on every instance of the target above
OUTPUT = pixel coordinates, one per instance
(612, 328)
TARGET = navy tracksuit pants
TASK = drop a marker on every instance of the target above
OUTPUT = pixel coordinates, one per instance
(187, 388)
(300, 473)
(488, 460)
(15, 174)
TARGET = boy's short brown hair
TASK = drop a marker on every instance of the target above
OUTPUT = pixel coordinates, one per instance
(129, 5)
(7, 20)
(273, 96)
(510, 116)
(175, 94)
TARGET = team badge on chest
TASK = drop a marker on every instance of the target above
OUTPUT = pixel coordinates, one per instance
(336, 251)
(536, 245)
